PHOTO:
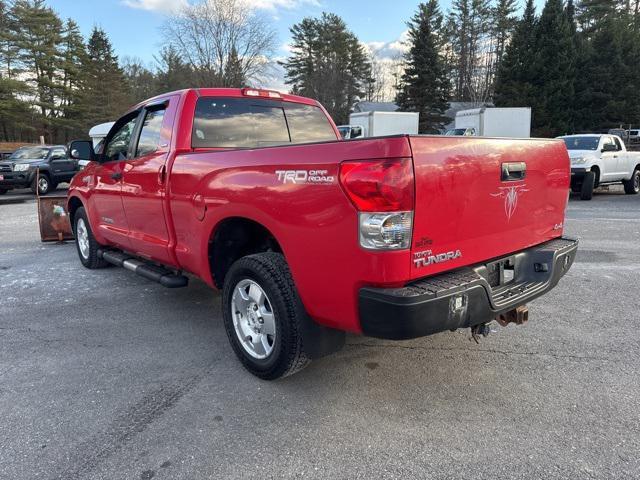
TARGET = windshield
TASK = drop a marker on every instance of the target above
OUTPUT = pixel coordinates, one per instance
(581, 143)
(34, 153)
(456, 132)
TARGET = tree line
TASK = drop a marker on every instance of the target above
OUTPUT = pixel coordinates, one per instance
(576, 64)
(56, 85)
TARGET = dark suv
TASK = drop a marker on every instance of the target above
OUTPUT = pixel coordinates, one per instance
(19, 170)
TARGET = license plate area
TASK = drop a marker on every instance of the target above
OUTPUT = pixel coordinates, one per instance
(501, 272)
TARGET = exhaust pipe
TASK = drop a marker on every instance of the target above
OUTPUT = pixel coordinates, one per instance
(518, 315)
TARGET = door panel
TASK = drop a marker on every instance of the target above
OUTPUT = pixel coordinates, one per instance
(108, 209)
(107, 202)
(63, 169)
(143, 184)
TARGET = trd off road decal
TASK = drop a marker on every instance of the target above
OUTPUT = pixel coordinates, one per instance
(305, 176)
(427, 257)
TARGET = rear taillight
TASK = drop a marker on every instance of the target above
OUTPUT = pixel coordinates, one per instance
(379, 185)
(383, 193)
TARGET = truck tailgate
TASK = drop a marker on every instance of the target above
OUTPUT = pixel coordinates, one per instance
(469, 209)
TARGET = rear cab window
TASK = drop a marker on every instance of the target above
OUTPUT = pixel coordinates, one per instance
(251, 123)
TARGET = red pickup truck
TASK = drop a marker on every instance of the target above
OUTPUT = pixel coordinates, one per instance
(309, 236)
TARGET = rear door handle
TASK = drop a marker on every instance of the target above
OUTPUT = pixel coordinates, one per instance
(513, 171)
(116, 175)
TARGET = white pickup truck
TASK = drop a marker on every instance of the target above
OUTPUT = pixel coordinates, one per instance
(600, 160)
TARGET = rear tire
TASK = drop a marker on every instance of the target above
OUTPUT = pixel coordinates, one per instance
(259, 297)
(588, 183)
(85, 241)
(576, 187)
(632, 186)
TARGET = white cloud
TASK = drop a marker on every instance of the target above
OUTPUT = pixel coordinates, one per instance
(286, 4)
(165, 6)
(391, 49)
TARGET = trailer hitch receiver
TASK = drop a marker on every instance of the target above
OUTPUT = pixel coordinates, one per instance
(518, 315)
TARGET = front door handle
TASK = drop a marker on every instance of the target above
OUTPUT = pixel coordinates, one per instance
(116, 175)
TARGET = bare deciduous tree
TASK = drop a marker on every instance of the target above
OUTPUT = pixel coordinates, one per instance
(221, 40)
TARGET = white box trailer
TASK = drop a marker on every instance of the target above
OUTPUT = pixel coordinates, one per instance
(98, 132)
(378, 124)
(494, 122)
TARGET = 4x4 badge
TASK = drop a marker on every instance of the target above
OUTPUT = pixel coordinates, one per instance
(510, 195)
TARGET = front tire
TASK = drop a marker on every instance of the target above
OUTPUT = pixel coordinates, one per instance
(588, 184)
(263, 315)
(632, 186)
(85, 241)
(41, 184)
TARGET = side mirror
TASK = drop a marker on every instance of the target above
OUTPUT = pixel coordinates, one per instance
(609, 148)
(82, 150)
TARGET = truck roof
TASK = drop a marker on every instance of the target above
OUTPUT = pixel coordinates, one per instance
(585, 135)
(229, 92)
(476, 111)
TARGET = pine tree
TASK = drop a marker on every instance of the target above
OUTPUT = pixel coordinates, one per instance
(15, 114)
(425, 86)
(38, 40)
(504, 21)
(514, 83)
(105, 94)
(141, 82)
(554, 72)
(327, 63)
(591, 13)
(472, 39)
(74, 55)
(233, 73)
(172, 72)
(600, 83)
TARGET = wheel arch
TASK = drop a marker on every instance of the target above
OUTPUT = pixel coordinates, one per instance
(73, 204)
(234, 237)
(596, 169)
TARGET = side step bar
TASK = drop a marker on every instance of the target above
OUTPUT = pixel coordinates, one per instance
(157, 274)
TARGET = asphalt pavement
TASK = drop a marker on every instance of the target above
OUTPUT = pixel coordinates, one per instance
(104, 375)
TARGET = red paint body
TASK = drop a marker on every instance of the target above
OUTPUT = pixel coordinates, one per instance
(168, 204)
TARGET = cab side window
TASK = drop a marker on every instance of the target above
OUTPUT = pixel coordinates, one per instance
(118, 146)
(607, 142)
(150, 132)
(617, 141)
(59, 154)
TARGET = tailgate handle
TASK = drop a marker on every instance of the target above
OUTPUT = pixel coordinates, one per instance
(513, 171)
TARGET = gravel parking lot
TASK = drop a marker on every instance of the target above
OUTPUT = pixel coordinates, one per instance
(106, 375)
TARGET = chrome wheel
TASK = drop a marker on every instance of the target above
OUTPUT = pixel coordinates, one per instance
(43, 185)
(82, 237)
(253, 319)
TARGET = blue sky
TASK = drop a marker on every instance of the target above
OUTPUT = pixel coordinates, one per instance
(135, 26)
